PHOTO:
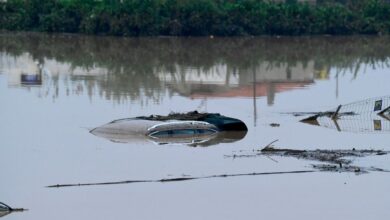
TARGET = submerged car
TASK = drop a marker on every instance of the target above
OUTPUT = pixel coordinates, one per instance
(223, 123)
(189, 128)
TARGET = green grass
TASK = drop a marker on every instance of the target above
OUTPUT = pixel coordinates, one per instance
(196, 17)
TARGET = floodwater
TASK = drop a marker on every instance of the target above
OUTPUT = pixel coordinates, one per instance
(84, 82)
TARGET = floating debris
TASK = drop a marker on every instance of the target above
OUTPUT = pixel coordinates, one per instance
(274, 124)
(329, 156)
(337, 160)
(370, 115)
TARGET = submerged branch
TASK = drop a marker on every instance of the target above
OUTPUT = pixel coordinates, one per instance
(177, 179)
(347, 168)
(329, 156)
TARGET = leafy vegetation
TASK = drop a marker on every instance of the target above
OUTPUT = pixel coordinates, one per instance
(196, 17)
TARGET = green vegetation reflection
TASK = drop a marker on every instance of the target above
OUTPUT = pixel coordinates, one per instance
(143, 67)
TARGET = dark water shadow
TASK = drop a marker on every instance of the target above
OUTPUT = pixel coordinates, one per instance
(192, 141)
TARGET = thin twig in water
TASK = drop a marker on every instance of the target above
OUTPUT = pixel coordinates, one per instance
(180, 179)
(272, 159)
(270, 144)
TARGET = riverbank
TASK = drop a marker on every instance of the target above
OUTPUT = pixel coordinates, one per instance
(196, 18)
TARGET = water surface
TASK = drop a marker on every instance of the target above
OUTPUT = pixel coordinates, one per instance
(85, 82)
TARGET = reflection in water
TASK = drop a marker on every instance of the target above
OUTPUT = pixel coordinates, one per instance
(32, 78)
(142, 70)
(2, 214)
(356, 124)
(146, 69)
(194, 141)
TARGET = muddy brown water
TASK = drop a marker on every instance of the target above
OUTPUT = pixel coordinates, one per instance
(89, 81)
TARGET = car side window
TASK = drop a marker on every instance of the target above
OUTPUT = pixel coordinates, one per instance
(178, 132)
(183, 132)
(204, 131)
(161, 133)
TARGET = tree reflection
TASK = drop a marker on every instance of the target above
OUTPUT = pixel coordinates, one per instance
(133, 68)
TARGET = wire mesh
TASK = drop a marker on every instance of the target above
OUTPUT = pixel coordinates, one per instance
(369, 116)
(367, 106)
